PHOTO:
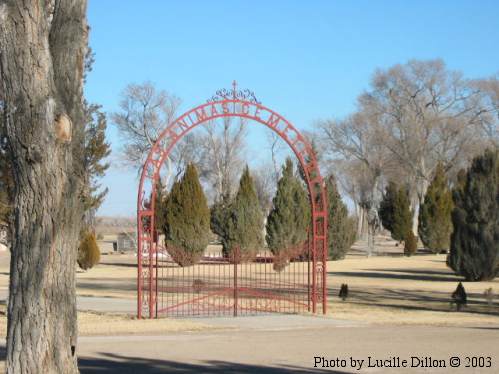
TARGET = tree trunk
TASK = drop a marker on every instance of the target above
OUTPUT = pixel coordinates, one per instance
(43, 44)
(416, 200)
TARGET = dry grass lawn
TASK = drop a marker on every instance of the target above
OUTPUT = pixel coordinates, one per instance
(385, 288)
(93, 323)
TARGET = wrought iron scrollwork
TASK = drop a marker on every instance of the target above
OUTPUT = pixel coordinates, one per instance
(234, 94)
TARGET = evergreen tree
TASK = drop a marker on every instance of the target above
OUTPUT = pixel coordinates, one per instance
(219, 221)
(289, 218)
(474, 248)
(402, 216)
(410, 243)
(387, 204)
(95, 152)
(160, 207)
(341, 229)
(435, 224)
(245, 221)
(186, 219)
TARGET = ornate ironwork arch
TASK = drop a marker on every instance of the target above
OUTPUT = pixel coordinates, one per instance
(242, 104)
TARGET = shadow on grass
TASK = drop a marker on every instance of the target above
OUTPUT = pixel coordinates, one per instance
(404, 299)
(424, 272)
(119, 264)
(113, 363)
(388, 275)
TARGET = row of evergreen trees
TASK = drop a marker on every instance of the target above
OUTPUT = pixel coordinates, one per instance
(185, 219)
(464, 219)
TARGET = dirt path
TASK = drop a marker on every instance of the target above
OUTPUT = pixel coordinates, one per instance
(287, 350)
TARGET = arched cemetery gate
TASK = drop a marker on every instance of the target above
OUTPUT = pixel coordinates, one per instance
(217, 285)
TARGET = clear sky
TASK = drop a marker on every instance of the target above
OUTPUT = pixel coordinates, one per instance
(307, 60)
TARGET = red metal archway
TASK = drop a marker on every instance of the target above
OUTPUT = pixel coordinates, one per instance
(227, 103)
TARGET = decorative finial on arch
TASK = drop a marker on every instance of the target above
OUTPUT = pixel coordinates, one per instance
(234, 94)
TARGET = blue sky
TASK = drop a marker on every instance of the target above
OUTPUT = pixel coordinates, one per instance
(307, 60)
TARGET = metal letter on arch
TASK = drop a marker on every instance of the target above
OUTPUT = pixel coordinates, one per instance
(216, 108)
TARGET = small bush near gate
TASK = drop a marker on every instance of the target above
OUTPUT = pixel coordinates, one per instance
(459, 297)
(88, 252)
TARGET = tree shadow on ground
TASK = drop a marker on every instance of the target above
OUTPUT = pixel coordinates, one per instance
(113, 363)
(405, 299)
(448, 273)
(109, 284)
(387, 275)
(119, 264)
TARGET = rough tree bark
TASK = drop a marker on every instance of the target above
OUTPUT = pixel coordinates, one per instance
(43, 44)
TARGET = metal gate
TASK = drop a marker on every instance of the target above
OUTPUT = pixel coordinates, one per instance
(218, 285)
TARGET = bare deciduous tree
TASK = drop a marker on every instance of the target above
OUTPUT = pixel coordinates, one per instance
(356, 141)
(144, 113)
(489, 119)
(265, 185)
(43, 45)
(222, 158)
(426, 114)
(276, 146)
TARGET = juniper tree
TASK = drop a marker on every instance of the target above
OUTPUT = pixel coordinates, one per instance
(387, 204)
(289, 217)
(341, 229)
(186, 219)
(245, 221)
(410, 243)
(435, 225)
(402, 215)
(474, 247)
(160, 207)
(219, 221)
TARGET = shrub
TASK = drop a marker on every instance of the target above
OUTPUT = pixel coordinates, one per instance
(474, 248)
(410, 244)
(343, 294)
(186, 219)
(459, 297)
(435, 224)
(88, 251)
